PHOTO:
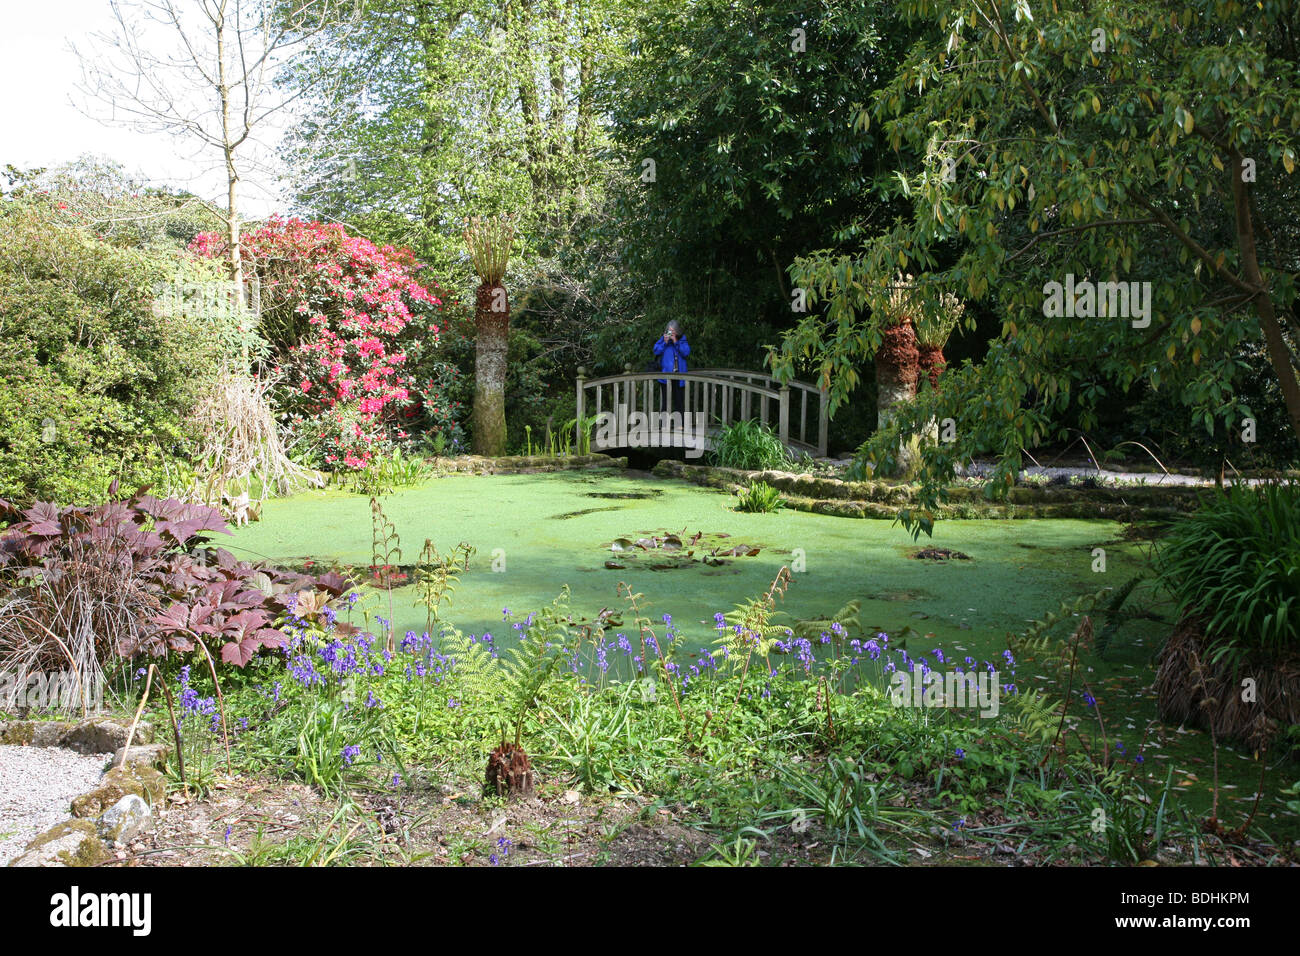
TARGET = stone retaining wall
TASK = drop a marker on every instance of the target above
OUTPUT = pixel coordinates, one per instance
(881, 499)
(523, 464)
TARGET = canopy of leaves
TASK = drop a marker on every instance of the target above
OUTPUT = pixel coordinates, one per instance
(1104, 144)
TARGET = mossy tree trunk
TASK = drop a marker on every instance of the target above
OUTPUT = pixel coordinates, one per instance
(931, 362)
(897, 373)
(492, 327)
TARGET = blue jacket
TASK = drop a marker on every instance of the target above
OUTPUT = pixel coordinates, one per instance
(667, 352)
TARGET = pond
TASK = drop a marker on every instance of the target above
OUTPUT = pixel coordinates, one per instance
(545, 530)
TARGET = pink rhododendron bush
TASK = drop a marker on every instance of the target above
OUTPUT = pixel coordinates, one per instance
(354, 340)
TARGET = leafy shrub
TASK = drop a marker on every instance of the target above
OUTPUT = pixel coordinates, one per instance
(749, 446)
(344, 317)
(96, 383)
(760, 498)
(1235, 564)
(130, 577)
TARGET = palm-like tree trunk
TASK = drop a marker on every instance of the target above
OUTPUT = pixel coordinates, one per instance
(931, 362)
(897, 371)
(492, 329)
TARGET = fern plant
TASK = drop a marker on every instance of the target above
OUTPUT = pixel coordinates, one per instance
(506, 688)
(385, 556)
(438, 576)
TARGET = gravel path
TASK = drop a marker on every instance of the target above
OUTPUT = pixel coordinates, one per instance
(37, 785)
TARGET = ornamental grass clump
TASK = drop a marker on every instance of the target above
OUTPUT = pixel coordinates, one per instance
(749, 446)
(239, 446)
(1233, 569)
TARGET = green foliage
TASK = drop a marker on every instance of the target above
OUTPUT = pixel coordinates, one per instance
(749, 446)
(501, 691)
(1235, 563)
(96, 383)
(438, 575)
(385, 473)
(1030, 157)
(760, 498)
(443, 111)
(759, 155)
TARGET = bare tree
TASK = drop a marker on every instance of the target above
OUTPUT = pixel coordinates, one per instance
(214, 82)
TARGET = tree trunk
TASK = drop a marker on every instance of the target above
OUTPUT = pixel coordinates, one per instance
(508, 771)
(228, 152)
(492, 326)
(1278, 353)
(897, 371)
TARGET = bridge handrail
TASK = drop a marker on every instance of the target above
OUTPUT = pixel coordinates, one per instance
(738, 379)
(763, 390)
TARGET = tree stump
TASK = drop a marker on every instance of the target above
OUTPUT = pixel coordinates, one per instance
(509, 772)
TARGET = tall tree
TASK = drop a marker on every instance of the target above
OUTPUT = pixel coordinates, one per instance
(1058, 149)
(461, 108)
(206, 72)
(747, 112)
(489, 241)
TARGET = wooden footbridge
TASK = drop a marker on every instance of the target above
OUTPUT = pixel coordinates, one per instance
(796, 412)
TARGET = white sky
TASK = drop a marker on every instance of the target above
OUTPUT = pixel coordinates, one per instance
(40, 126)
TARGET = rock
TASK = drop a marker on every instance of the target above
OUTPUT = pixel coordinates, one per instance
(33, 733)
(104, 735)
(571, 796)
(74, 843)
(143, 782)
(124, 819)
(145, 755)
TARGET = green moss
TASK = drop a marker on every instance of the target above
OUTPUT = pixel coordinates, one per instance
(142, 781)
(85, 848)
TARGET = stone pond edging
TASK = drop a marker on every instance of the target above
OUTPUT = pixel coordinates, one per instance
(881, 499)
(120, 805)
(523, 464)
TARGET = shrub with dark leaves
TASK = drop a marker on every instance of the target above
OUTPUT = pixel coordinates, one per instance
(83, 585)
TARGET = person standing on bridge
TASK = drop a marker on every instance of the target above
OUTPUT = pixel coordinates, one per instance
(671, 351)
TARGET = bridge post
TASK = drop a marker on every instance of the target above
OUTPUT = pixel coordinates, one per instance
(783, 415)
(822, 424)
(581, 406)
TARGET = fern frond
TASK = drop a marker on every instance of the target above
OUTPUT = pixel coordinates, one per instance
(846, 617)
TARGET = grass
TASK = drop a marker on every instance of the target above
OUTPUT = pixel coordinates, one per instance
(750, 446)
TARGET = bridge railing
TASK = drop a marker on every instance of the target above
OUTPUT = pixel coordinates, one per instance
(797, 412)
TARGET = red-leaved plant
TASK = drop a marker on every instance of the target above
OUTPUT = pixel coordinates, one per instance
(81, 585)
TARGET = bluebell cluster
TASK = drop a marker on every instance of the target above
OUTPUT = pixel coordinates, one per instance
(194, 705)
